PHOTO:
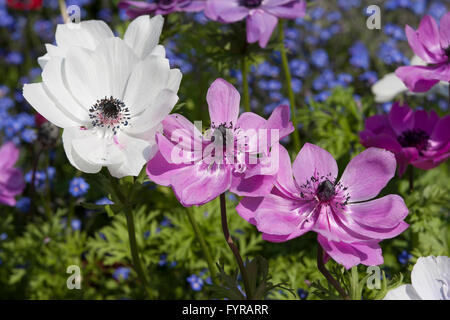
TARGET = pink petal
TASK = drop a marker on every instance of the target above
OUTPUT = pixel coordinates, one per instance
(401, 118)
(386, 212)
(291, 10)
(255, 186)
(428, 34)
(352, 254)
(441, 132)
(223, 101)
(200, 183)
(368, 173)
(405, 157)
(160, 171)
(285, 182)
(9, 155)
(383, 141)
(280, 119)
(444, 28)
(312, 161)
(420, 78)
(260, 26)
(227, 10)
(425, 121)
(248, 207)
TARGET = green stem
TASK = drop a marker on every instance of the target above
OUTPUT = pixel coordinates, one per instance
(411, 179)
(233, 247)
(134, 248)
(246, 93)
(288, 84)
(203, 244)
(331, 280)
(355, 284)
(131, 234)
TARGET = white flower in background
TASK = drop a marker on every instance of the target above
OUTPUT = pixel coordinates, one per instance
(430, 279)
(388, 87)
(108, 94)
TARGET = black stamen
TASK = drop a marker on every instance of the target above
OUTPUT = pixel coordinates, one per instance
(414, 138)
(250, 3)
(326, 191)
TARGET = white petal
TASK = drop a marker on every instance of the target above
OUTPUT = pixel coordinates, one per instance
(87, 34)
(74, 158)
(416, 61)
(43, 60)
(174, 80)
(149, 77)
(429, 276)
(54, 80)
(154, 114)
(404, 292)
(159, 51)
(116, 62)
(39, 98)
(388, 87)
(137, 152)
(83, 78)
(97, 150)
(143, 34)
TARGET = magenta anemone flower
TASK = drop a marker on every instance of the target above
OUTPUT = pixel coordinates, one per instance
(11, 179)
(432, 44)
(237, 153)
(415, 137)
(308, 197)
(261, 15)
(138, 8)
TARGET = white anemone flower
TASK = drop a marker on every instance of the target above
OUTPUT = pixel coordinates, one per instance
(430, 279)
(388, 87)
(108, 94)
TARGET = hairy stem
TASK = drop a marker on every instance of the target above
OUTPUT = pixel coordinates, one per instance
(331, 280)
(232, 245)
(203, 245)
(288, 84)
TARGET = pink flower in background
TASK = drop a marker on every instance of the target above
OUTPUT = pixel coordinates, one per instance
(261, 15)
(432, 44)
(11, 179)
(415, 137)
(200, 178)
(138, 8)
(307, 197)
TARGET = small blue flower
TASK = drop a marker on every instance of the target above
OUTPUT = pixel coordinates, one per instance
(103, 202)
(78, 187)
(121, 273)
(3, 236)
(404, 257)
(23, 204)
(319, 58)
(14, 58)
(303, 294)
(75, 224)
(195, 282)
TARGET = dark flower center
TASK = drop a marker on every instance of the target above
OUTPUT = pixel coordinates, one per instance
(110, 113)
(447, 52)
(220, 134)
(250, 3)
(326, 191)
(166, 3)
(416, 138)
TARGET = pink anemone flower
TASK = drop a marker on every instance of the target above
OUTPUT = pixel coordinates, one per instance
(308, 197)
(419, 138)
(261, 15)
(11, 179)
(432, 44)
(237, 153)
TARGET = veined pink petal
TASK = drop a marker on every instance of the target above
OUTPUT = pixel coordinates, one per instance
(428, 34)
(247, 208)
(285, 182)
(418, 78)
(223, 101)
(227, 10)
(254, 186)
(200, 183)
(160, 171)
(311, 161)
(368, 173)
